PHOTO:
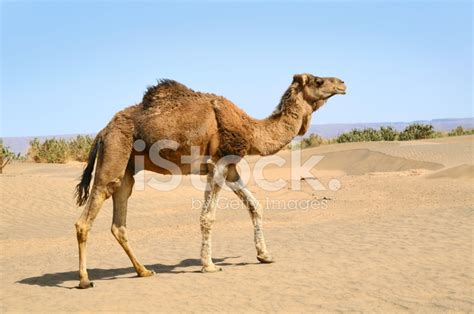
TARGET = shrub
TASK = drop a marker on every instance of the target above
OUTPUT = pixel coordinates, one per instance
(53, 151)
(469, 132)
(438, 134)
(460, 131)
(79, 147)
(370, 134)
(5, 151)
(360, 135)
(457, 131)
(313, 140)
(416, 132)
(33, 150)
(6, 156)
(388, 133)
(59, 150)
(352, 136)
(293, 146)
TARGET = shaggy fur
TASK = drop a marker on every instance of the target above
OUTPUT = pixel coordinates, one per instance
(172, 111)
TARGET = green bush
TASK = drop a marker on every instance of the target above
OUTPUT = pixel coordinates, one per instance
(469, 132)
(34, 150)
(79, 147)
(50, 151)
(417, 131)
(370, 134)
(313, 140)
(360, 135)
(5, 151)
(460, 131)
(388, 133)
(349, 137)
(59, 150)
(457, 131)
(6, 156)
(412, 132)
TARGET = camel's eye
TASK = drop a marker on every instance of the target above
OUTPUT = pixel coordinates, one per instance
(319, 81)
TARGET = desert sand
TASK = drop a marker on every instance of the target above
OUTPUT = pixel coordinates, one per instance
(396, 236)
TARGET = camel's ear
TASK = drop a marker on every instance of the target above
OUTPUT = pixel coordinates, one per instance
(301, 78)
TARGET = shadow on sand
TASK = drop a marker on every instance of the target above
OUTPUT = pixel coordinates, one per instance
(57, 279)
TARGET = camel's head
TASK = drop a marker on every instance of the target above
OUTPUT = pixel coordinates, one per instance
(316, 90)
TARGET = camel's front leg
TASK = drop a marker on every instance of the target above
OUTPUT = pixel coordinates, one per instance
(208, 217)
(256, 213)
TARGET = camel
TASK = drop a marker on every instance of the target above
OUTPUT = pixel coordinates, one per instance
(172, 111)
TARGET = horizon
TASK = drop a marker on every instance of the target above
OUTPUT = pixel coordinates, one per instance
(306, 134)
(20, 144)
(73, 79)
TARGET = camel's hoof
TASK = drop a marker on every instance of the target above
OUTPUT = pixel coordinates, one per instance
(146, 273)
(86, 285)
(265, 259)
(211, 269)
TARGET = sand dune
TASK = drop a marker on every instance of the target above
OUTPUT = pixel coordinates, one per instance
(459, 172)
(391, 239)
(363, 161)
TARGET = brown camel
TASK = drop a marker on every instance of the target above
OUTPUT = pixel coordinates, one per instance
(171, 111)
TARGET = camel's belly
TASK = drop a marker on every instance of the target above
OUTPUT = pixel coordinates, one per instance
(182, 137)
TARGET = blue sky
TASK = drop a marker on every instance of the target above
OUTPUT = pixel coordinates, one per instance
(68, 67)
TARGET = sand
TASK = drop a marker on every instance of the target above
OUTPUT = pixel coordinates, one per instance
(396, 236)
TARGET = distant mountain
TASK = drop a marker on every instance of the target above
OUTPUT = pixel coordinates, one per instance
(20, 144)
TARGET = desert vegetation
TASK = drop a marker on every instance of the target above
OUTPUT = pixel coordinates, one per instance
(60, 150)
(414, 131)
(6, 156)
(459, 131)
(77, 149)
(313, 140)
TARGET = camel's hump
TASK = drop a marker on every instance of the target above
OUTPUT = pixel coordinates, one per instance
(169, 91)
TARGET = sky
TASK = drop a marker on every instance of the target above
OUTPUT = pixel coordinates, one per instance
(68, 67)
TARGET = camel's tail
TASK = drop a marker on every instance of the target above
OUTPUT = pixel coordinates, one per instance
(82, 189)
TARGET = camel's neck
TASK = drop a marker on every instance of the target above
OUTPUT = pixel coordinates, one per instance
(276, 131)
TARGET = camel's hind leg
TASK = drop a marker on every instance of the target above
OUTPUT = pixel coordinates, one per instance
(111, 164)
(208, 217)
(256, 213)
(98, 195)
(119, 230)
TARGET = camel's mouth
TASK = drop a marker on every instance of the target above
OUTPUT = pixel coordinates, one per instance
(341, 91)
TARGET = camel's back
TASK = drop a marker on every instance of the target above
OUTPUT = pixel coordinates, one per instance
(171, 111)
(187, 116)
(169, 95)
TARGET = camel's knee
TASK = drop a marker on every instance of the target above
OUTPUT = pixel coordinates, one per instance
(82, 230)
(256, 210)
(120, 233)
(207, 221)
(112, 187)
